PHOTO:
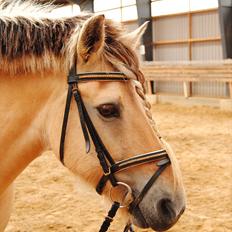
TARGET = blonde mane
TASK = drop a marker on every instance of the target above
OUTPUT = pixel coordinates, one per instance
(28, 9)
(34, 41)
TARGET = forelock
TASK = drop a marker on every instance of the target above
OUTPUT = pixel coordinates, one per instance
(117, 53)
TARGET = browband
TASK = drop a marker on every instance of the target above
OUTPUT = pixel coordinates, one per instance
(96, 76)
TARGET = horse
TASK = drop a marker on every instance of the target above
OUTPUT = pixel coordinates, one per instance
(37, 51)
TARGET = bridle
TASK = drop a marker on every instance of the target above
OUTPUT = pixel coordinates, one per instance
(109, 166)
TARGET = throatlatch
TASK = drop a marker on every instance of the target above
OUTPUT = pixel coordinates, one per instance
(109, 166)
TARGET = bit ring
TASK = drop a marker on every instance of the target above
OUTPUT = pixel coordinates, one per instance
(128, 195)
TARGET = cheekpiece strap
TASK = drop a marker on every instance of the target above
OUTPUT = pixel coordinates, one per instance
(77, 97)
(110, 217)
(65, 122)
(149, 184)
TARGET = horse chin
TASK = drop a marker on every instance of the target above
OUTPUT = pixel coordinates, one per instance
(142, 221)
(139, 221)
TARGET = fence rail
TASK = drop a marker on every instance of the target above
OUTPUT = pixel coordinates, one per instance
(188, 72)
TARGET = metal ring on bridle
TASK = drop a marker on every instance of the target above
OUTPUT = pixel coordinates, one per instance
(129, 193)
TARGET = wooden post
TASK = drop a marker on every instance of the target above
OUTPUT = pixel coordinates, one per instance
(190, 35)
(186, 87)
(230, 89)
(149, 89)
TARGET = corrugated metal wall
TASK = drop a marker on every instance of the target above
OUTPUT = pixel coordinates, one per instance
(174, 28)
(171, 52)
(209, 89)
(167, 29)
(175, 88)
(207, 51)
(204, 25)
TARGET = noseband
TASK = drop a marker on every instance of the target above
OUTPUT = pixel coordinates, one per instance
(109, 166)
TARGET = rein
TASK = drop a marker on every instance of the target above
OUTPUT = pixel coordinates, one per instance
(109, 166)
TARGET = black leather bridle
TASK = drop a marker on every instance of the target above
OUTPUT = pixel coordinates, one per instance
(109, 166)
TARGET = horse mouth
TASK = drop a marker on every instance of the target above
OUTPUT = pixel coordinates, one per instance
(139, 220)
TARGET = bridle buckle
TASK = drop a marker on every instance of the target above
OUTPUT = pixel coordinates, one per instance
(108, 172)
(74, 87)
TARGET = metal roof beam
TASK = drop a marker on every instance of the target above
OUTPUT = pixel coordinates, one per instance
(144, 14)
(85, 5)
(225, 16)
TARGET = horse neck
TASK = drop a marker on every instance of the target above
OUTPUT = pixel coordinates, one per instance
(24, 103)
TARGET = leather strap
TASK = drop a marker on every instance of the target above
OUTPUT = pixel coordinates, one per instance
(65, 122)
(99, 76)
(109, 218)
(139, 159)
(103, 155)
(99, 145)
(77, 97)
(148, 185)
(131, 162)
(72, 72)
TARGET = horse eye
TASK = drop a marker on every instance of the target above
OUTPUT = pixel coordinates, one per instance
(109, 110)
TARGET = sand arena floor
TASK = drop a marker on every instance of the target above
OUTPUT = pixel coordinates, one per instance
(47, 198)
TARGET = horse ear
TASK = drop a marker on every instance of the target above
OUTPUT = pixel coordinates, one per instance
(133, 38)
(92, 37)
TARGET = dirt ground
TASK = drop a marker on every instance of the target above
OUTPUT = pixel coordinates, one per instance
(47, 198)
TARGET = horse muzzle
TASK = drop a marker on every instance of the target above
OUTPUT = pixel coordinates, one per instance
(158, 214)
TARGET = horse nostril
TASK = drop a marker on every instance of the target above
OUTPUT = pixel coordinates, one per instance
(165, 210)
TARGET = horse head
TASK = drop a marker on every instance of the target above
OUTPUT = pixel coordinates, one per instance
(122, 118)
